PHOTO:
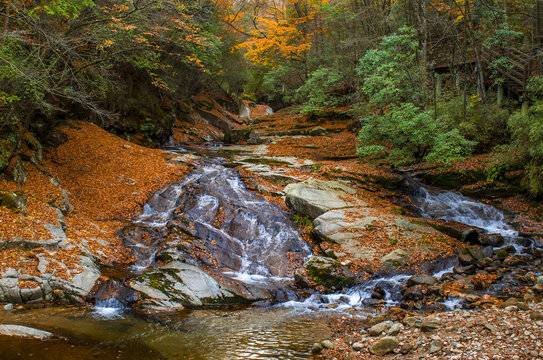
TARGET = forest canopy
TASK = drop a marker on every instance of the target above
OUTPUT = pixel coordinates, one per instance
(430, 80)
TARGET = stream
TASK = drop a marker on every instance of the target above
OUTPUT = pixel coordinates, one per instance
(250, 240)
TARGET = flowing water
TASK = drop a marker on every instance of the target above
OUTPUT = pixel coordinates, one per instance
(453, 206)
(250, 237)
(456, 207)
(246, 233)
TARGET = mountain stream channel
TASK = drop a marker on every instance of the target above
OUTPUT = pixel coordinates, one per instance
(251, 240)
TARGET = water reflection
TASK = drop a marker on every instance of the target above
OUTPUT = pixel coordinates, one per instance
(255, 333)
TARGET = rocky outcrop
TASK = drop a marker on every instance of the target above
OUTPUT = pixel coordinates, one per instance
(49, 286)
(51, 280)
(176, 285)
(316, 197)
(342, 216)
(249, 110)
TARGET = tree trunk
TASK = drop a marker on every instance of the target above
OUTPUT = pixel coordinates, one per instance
(6, 16)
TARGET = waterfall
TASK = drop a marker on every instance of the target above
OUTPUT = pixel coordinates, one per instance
(453, 206)
(248, 234)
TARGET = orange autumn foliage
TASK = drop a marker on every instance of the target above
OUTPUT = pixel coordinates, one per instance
(272, 30)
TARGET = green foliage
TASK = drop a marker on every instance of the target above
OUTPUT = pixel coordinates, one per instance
(527, 138)
(406, 134)
(88, 58)
(486, 124)
(317, 92)
(496, 173)
(65, 8)
(391, 73)
(277, 85)
(303, 221)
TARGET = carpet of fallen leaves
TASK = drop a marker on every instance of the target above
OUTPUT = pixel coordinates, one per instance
(107, 179)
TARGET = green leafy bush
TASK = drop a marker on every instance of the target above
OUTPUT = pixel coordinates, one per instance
(391, 74)
(317, 92)
(406, 134)
(527, 138)
(485, 124)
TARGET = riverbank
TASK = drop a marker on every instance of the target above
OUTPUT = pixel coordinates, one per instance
(73, 201)
(328, 144)
(506, 332)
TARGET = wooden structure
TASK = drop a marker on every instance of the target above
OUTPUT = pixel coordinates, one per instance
(520, 65)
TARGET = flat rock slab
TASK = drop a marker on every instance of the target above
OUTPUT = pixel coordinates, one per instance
(23, 331)
(178, 284)
(315, 197)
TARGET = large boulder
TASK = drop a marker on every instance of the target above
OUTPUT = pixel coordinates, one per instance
(334, 225)
(177, 285)
(346, 227)
(315, 197)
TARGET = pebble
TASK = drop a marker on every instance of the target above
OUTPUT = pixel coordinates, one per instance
(358, 346)
(8, 307)
(384, 346)
(380, 328)
(435, 346)
(327, 344)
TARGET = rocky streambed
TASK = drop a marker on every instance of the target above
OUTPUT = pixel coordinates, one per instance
(208, 241)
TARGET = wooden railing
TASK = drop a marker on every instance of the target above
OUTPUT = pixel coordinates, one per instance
(521, 66)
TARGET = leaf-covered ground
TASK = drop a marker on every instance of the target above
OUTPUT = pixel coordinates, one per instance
(107, 181)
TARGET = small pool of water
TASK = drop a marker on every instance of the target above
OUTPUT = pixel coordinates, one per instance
(252, 333)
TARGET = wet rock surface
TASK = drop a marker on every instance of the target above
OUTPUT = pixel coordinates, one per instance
(314, 198)
(176, 285)
(24, 331)
(209, 241)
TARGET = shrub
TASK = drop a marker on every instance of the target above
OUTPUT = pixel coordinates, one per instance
(391, 73)
(485, 124)
(406, 134)
(317, 92)
(527, 138)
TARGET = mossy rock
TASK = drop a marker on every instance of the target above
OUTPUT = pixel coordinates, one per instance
(329, 273)
(14, 201)
(452, 180)
(392, 182)
(235, 136)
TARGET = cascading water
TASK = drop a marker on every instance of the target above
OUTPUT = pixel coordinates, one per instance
(112, 298)
(456, 207)
(453, 206)
(246, 233)
(442, 205)
(356, 297)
